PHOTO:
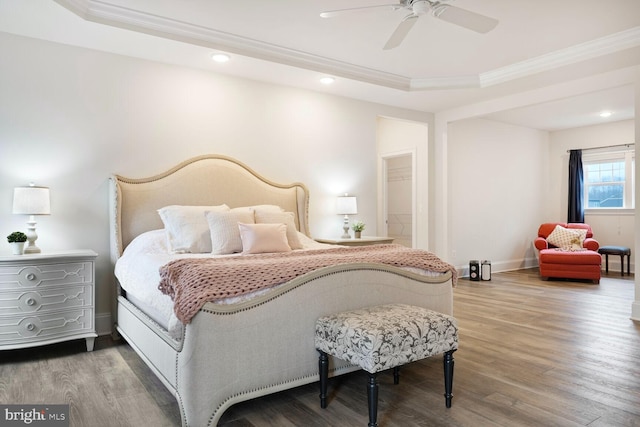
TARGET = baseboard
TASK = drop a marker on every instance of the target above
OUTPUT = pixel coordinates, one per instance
(635, 310)
(615, 265)
(501, 266)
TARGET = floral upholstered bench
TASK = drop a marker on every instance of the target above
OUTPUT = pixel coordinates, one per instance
(384, 337)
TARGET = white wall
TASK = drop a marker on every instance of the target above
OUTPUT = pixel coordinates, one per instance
(69, 117)
(609, 228)
(497, 182)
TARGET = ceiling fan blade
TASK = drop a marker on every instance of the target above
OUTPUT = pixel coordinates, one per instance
(332, 13)
(464, 18)
(401, 31)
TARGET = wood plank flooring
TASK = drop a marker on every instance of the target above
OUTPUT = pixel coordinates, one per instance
(532, 353)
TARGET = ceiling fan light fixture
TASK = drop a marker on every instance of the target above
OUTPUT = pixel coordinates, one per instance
(422, 7)
(220, 57)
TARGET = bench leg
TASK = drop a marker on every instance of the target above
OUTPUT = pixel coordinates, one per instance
(606, 257)
(622, 265)
(372, 398)
(323, 366)
(396, 375)
(448, 377)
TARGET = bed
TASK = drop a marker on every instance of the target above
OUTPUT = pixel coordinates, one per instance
(248, 347)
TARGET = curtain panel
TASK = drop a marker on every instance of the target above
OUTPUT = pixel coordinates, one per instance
(576, 187)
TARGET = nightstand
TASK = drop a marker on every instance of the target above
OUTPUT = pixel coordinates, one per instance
(363, 241)
(47, 298)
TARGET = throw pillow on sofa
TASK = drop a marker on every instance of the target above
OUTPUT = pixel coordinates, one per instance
(567, 239)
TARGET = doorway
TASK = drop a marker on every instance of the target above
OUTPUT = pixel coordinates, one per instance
(398, 196)
(403, 182)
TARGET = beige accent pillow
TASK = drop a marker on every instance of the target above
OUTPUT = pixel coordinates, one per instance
(186, 228)
(286, 218)
(225, 236)
(567, 239)
(263, 238)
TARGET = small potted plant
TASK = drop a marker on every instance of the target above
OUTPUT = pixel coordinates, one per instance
(357, 227)
(16, 240)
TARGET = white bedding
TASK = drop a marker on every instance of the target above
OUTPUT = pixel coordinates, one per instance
(138, 271)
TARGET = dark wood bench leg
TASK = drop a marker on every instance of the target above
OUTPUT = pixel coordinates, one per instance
(396, 375)
(323, 365)
(629, 264)
(622, 265)
(448, 377)
(606, 257)
(372, 397)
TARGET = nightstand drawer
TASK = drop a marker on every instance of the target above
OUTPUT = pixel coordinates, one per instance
(43, 275)
(34, 328)
(21, 302)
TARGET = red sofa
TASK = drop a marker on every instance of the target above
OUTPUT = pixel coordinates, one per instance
(576, 263)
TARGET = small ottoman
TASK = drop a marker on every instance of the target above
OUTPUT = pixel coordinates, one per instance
(617, 250)
(384, 337)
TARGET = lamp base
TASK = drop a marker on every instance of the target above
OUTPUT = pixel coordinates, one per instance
(32, 249)
(345, 227)
(32, 236)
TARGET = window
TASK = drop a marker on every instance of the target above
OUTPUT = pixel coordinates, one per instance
(609, 180)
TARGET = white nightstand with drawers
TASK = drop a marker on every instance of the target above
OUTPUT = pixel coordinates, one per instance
(47, 298)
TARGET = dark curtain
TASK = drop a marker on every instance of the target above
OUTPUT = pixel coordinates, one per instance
(576, 183)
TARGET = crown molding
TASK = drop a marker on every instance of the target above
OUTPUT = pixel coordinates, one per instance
(456, 82)
(581, 52)
(118, 16)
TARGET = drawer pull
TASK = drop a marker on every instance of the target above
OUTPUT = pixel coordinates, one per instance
(30, 327)
(31, 277)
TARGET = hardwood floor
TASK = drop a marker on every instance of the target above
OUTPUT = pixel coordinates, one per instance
(532, 353)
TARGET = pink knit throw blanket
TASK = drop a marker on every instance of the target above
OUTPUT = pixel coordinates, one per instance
(193, 282)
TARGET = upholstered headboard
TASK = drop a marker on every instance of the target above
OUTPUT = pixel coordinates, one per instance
(203, 181)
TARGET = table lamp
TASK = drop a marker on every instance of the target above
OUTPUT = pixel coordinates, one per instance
(346, 205)
(31, 200)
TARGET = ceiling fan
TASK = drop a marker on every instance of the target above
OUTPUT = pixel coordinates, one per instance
(440, 9)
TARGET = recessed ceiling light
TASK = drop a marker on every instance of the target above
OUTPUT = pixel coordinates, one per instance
(327, 80)
(220, 57)
(606, 113)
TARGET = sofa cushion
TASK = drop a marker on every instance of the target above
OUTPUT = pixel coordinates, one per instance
(559, 256)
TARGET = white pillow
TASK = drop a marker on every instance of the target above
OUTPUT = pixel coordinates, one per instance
(223, 226)
(149, 242)
(567, 239)
(263, 238)
(186, 228)
(286, 218)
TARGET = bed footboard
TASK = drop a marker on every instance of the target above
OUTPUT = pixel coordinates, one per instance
(237, 352)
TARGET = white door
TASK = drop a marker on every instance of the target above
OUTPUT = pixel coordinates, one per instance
(399, 202)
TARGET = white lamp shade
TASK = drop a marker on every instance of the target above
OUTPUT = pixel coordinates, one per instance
(31, 200)
(347, 205)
